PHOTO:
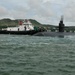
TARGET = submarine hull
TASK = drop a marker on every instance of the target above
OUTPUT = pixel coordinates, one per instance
(53, 34)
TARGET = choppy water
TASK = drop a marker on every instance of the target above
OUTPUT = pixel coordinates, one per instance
(32, 55)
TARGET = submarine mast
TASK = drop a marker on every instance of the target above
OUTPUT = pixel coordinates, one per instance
(61, 25)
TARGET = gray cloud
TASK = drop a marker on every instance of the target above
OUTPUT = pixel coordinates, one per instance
(5, 13)
(45, 11)
(69, 11)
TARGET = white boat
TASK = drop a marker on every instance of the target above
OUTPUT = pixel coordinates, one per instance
(25, 25)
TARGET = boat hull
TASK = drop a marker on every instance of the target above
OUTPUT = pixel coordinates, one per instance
(31, 32)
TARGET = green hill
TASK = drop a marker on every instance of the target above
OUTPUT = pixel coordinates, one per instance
(34, 22)
(8, 22)
(11, 23)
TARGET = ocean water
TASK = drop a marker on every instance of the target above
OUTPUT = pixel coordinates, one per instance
(33, 55)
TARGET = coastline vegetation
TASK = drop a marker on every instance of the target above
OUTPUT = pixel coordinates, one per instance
(6, 22)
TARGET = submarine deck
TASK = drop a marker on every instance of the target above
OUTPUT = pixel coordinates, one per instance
(54, 34)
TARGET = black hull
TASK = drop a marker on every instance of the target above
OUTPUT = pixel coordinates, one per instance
(19, 32)
(55, 34)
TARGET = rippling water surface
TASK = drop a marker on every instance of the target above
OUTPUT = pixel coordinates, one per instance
(32, 55)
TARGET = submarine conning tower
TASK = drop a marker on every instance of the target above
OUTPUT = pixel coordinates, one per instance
(61, 25)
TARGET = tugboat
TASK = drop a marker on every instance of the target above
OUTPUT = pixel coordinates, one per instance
(25, 27)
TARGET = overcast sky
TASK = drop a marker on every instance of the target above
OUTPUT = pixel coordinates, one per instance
(44, 11)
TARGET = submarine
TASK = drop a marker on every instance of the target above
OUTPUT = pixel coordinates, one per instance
(61, 32)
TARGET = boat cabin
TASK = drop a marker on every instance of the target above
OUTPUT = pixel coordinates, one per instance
(25, 25)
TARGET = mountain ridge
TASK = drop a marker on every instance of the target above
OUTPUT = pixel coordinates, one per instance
(6, 22)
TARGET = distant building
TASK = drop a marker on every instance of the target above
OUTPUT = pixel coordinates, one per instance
(61, 25)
